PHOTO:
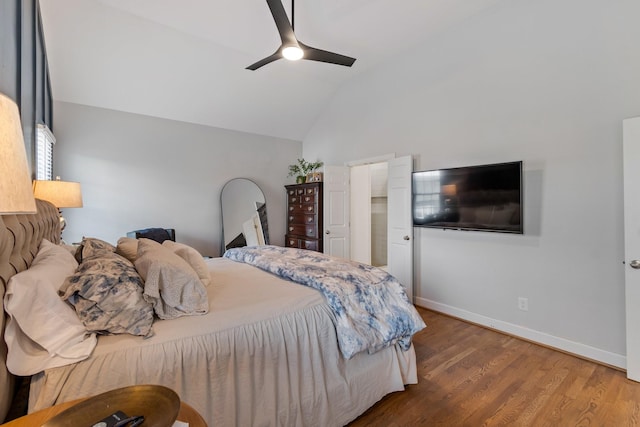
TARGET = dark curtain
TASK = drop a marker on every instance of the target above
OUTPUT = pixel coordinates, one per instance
(24, 74)
(24, 77)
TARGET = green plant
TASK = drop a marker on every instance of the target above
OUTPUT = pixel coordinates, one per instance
(302, 168)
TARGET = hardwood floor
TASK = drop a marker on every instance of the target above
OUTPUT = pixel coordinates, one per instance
(472, 376)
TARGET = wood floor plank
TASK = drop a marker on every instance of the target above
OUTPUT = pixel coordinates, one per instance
(472, 376)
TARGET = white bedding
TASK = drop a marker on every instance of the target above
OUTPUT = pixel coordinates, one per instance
(265, 354)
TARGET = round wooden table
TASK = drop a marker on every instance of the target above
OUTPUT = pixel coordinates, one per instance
(186, 414)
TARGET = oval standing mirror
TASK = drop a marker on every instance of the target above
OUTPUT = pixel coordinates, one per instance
(244, 214)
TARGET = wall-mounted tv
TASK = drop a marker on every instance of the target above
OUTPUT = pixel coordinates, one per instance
(481, 198)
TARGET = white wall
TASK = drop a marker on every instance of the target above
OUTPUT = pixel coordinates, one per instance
(137, 171)
(547, 82)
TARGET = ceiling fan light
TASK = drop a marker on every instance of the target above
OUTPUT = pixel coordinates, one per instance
(292, 53)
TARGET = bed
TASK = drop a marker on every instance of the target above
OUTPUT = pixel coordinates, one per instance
(265, 352)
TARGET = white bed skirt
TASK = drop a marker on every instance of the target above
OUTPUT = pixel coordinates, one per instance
(266, 354)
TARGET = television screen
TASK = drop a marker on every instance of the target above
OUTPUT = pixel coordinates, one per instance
(482, 198)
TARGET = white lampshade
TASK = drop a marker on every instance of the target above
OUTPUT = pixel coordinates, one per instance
(62, 194)
(16, 196)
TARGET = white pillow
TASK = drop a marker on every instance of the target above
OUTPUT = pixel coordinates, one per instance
(43, 331)
(193, 258)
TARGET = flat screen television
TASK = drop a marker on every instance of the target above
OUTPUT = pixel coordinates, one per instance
(480, 198)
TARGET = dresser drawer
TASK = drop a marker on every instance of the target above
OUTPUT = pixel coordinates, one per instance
(302, 209)
(295, 242)
(302, 218)
(302, 201)
(291, 242)
(306, 198)
(311, 245)
(296, 199)
(302, 230)
(309, 209)
(301, 198)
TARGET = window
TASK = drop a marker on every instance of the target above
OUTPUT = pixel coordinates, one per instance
(44, 153)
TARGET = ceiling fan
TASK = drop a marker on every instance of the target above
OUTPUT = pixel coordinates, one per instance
(293, 49)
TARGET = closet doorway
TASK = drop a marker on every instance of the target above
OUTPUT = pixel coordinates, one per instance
(354, 214)
(369, 212)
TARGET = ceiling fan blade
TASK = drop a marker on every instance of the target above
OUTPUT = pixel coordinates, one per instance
(282, 22)
(264, 61)
(320, 55)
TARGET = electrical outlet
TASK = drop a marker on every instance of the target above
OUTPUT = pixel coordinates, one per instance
(523, 304)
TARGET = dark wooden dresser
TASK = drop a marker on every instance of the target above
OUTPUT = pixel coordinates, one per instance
(304, 216)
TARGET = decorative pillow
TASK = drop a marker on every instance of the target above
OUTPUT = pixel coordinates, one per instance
(43, 331)
(92, 247)
(192, 257)
(106, 292)
(171, 285)
(128, 248)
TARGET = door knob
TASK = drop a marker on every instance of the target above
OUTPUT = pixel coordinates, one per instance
(407, 238)
(635, 263)
(327, 232)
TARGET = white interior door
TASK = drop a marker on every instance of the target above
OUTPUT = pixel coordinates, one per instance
(399, 222)
(631, 165)
(336, 211)
(360, 221)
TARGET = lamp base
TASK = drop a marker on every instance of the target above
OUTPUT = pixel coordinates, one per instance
(63, 222)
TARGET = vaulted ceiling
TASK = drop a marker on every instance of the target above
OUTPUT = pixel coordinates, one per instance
(185, 59)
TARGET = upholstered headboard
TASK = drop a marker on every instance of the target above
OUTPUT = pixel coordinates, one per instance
(20, 237)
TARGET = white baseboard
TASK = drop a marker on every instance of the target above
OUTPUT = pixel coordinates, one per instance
(582, 350)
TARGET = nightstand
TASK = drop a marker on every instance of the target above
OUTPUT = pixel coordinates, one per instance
(187, 414)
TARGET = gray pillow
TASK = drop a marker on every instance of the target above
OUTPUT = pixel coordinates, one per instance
(170, 284)
(192, 257)
(106, 291)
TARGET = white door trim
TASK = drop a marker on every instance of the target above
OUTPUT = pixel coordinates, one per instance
(631, 162)
(371, 160)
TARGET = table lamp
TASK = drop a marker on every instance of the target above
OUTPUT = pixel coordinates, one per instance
(62, 194)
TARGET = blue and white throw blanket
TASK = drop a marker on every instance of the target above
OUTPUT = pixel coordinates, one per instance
(371, 308)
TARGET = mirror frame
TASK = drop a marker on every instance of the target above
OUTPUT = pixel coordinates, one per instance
(262, 215)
